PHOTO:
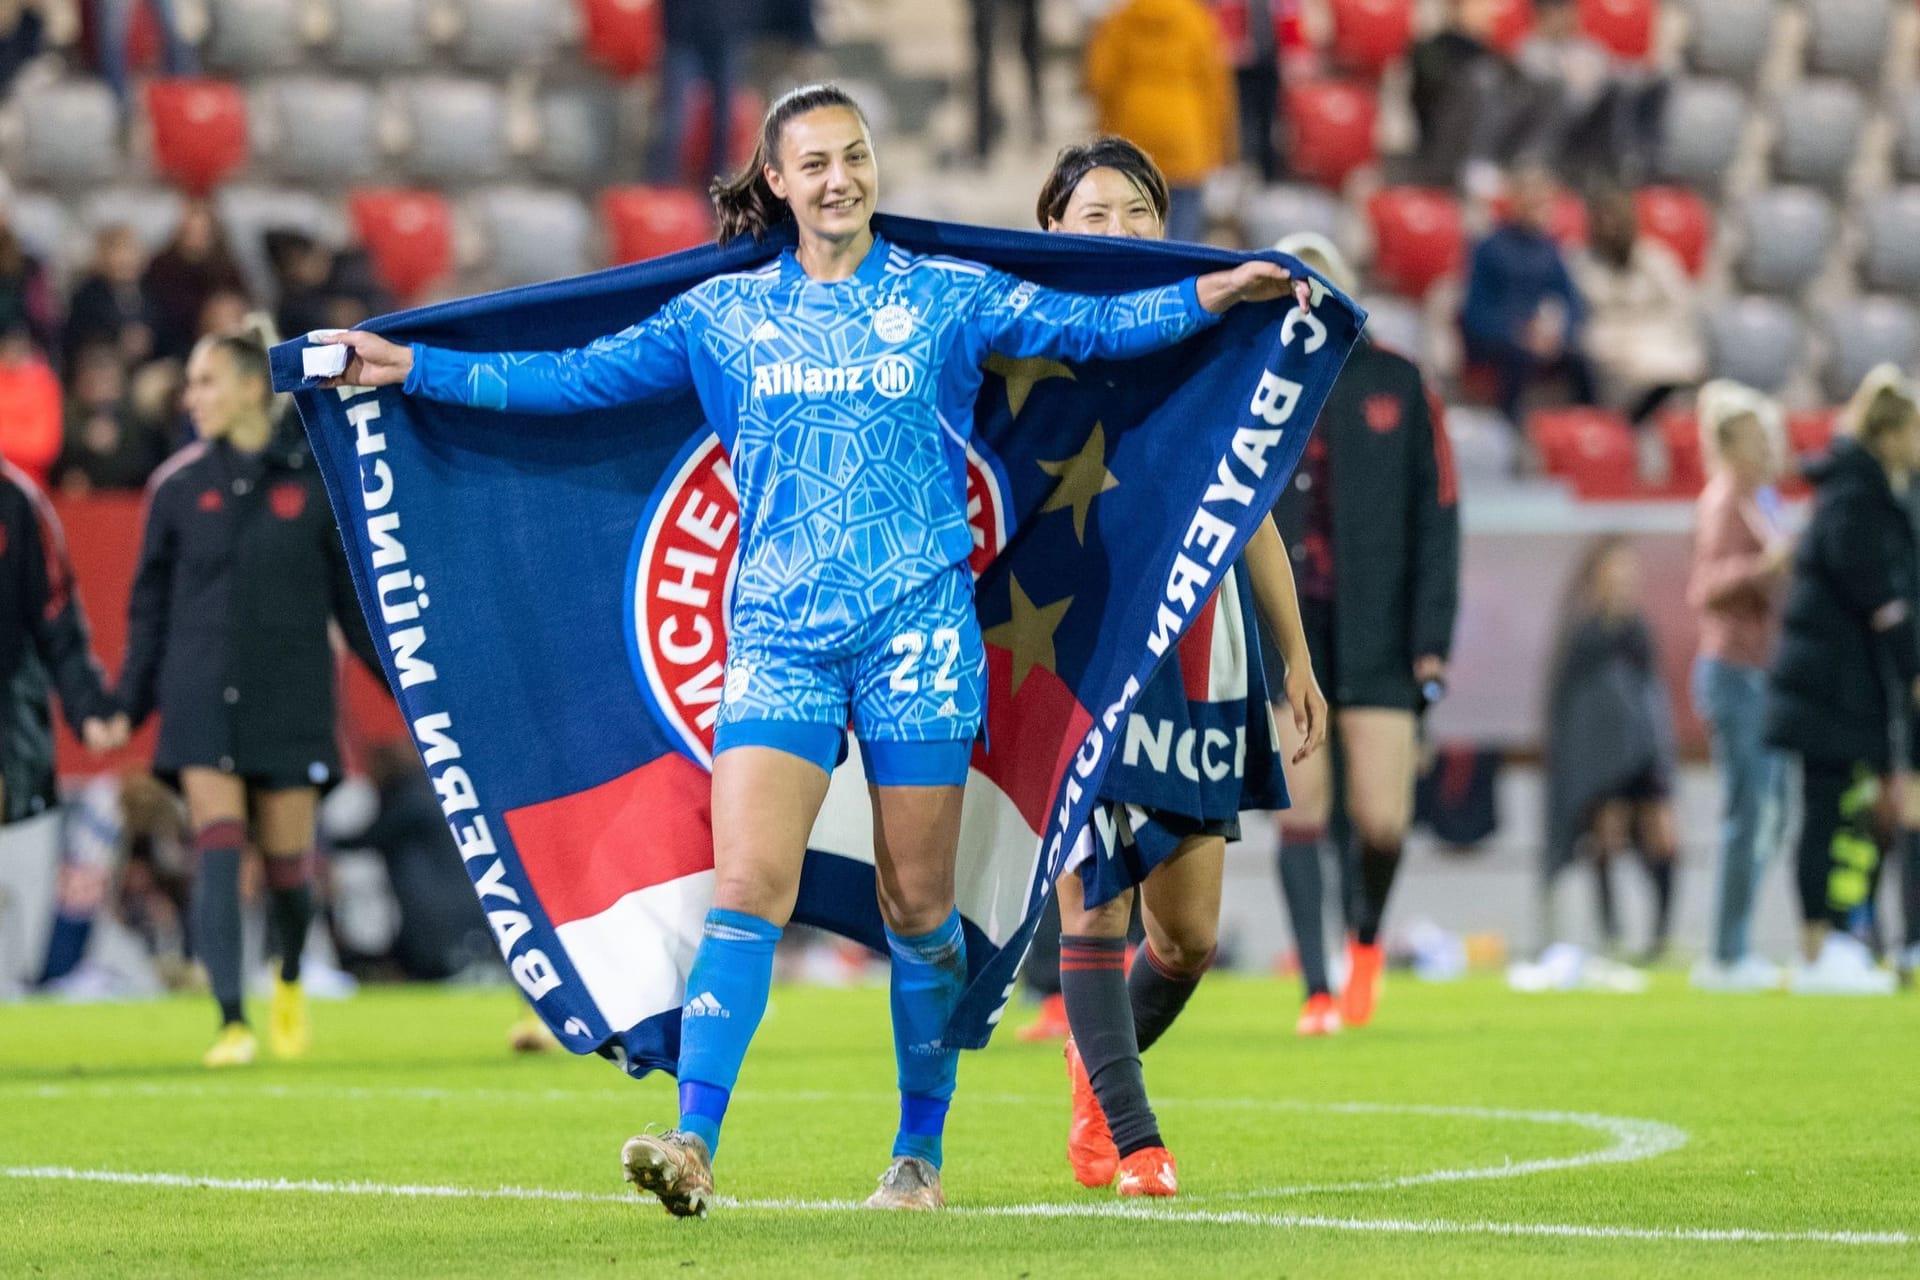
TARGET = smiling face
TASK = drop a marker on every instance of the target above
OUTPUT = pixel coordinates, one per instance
(824, 169)
(1109, 203)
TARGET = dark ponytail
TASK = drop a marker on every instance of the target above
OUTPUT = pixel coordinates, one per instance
(744, 203)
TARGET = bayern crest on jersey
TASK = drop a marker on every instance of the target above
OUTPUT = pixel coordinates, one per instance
(680, 575)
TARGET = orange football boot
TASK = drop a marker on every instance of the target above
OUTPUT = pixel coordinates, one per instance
(1320, 1017)
(1148, 1172)
(1090, 1148)
(1050, 1025)
(1365, 964)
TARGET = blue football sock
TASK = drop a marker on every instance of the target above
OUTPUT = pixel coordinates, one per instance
(929, 973)
(726, 997)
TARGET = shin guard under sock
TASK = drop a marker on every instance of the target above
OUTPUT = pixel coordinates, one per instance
(929, 973)
(290, 908)
(1158, 992)
(1378, 866)
(1099, 1010)
(726, 998)
(216, 913)
(1303, 886)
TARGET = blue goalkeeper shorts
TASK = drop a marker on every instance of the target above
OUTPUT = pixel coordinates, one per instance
(911, 681)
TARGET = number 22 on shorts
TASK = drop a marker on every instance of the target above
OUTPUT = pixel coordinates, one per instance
(908, 646)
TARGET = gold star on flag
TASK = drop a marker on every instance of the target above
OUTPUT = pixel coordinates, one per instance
(1021, 375)
(1083, 477)
(1029, 633)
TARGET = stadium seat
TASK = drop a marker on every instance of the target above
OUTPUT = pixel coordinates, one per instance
(1849, 38)
(743, 132)
(251, 36)
(1593, 449)
(199, 131)
(1680, 432)
(1625, 27)
(1417, 237)
(151, 212)
(501, 35)
(1370, 35)
(1755, 340)
(1730, 37)
(624, 36)
(408, 234)
(1787, 233)
(1817, 132)
(1700, 132)
(1330, 129)
(458, 128)
(1810, 431)
(70, 134)
(41, 222)
(535, 234)
(1272, 212)
(1678, 219)
(1512, 23)
(1906, 146)
(1892, 259)
(248, 212)
(325, 131)
(578, 125)
(372, 36)
(1566, 221)
(646, 222)
(1398, 325)
(1865, 332)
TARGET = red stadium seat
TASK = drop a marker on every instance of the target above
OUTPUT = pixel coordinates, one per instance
(1512, 23)
(1624, 26)
(408, 234)
(1567, 222)
(743, 132)
(646, 222)
(1330, 129)
(624, 36)
(1592, 449)
(1369, 35)
(1417, 237)
(1679, 219)
(199, 131)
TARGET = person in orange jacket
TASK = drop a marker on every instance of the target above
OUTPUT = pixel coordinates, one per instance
(1159, 73)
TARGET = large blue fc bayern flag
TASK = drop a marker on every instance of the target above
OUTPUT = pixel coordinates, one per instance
(549, 596)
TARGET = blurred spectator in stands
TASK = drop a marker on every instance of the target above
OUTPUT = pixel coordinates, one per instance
(107, 31)
(1256, 73)
(989, 125)
(223, 311)
(1610, 744)
(1643, 330)
(1604, 121)
(705, 43)
(107, 308)
(23, 33)
(26, 299)
(320, 288)
(195, 265)
(29, 406)
(789, 26)
(1476, 111)
(1157, 70)
(1841, 692)
(1740, 558)
(1523, 314)
(104, 448)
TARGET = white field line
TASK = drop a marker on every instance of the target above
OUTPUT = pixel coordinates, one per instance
(1390, 1226)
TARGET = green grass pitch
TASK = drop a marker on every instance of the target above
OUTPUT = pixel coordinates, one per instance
(1469, 1132)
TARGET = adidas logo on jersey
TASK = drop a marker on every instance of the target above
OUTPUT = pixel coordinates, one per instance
(891, 375)
(767, 332)
(948, 708)
(704, 1006)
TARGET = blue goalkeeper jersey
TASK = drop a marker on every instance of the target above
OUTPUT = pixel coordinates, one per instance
(845, 408)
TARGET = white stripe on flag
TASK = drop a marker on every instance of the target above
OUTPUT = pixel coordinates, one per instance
(1227, 663)
(634, 957)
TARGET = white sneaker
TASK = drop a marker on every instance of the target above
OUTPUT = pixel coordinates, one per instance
(1749, 973)
(1845, 968)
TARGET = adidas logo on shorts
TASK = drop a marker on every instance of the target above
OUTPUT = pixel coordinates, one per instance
(704, 1006)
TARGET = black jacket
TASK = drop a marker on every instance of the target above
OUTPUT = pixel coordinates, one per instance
(241, 566)
(43, 640)
(1838, 691)
(1396, 527)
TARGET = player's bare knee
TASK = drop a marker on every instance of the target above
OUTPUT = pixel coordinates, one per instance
(1187, 948)
(756, 892)
(1108, 920)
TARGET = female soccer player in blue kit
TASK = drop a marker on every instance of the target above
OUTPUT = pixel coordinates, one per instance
(841, 377)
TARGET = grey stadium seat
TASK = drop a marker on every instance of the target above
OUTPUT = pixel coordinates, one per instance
(40, 221)
(536, 234)
(1892, 259)
(459, 130)
(499, 35)
(578, 129)
(1755, 340)
(1866, 332)
(1701, 130)
(325, 131)
(379, 35)
(249, 212)
(253, 35)
(151, 212)
(1818, 132)
(1906, 146)
(70, 134)
(1849, 38)
(1787, 231)
(1730, 37)
(1273, 212)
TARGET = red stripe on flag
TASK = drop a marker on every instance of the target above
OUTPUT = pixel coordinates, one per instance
(1033, 734)
(586, 851)
(1196, 652)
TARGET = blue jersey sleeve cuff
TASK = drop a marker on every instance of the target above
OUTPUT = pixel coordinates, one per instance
(418, 378)
(1190, 292)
